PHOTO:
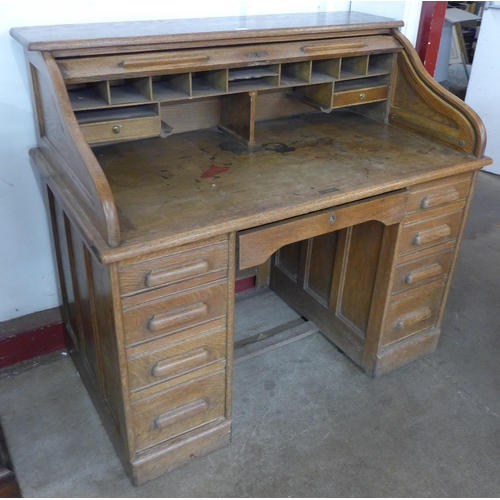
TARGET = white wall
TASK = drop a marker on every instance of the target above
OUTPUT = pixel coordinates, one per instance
(483, 91)
(27, 269)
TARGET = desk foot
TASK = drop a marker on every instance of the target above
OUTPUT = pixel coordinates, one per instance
(405, 351)
(179, 451)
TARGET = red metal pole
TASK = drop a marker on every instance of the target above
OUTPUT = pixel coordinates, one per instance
(429, 33)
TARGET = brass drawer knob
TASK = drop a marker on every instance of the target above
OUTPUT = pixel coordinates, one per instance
(116, 129)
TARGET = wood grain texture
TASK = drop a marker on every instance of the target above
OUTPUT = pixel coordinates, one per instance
(422, 105)
(237, 29)
(292, 171)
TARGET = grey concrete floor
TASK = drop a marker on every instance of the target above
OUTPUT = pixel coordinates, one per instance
(307, 422)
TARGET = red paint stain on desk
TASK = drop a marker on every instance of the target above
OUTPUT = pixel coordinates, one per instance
(213, 170)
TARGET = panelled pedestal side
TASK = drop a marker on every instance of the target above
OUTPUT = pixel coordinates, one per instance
(177, 152)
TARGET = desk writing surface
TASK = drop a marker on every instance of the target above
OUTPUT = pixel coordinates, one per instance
(205, 181)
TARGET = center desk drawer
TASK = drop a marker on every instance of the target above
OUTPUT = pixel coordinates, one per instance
(177, 410)
(256, 245)
(167, 314)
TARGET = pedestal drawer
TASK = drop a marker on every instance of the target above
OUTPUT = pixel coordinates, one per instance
(423, 269)
(413, 312)
(430, 232)
(438, 193)
(171, 313)
(152, 367)
(178, 410)
(164, 270)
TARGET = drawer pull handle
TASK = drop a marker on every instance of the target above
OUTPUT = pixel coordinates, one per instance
(433, 200)
(176, 316)
(413, 318)
(362, 95)
(182, 412)
(423, 273)
(429, 235)
(161, 63)
(116, 129)
(175, 273)
(181, 363)
(314, 49)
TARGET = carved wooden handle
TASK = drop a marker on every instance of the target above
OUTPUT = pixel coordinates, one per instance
(433, 200)
(177, 315)
(185, 411)
(423, 273)
(177, 272)
(161, 63)
(180, 363)
(413, 318)
(433, 234)
(314, 49)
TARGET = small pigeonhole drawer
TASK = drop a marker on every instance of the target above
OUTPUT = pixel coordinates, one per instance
(119, 124)
(359, 96)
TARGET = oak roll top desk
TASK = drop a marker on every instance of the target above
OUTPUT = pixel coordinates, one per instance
(312, 149)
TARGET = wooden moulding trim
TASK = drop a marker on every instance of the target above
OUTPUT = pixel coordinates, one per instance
(103, 208)
(71, 207)
(420, 73)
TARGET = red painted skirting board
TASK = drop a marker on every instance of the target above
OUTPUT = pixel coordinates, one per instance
(27, 345)
(244, 284)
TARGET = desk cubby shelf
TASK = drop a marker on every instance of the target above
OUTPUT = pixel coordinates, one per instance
(314, 81)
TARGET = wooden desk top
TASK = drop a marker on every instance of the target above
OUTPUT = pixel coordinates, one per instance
(203, 183)
(122, 34)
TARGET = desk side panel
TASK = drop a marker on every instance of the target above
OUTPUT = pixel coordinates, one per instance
(421, 105)
(64, 147)
(92, 319)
